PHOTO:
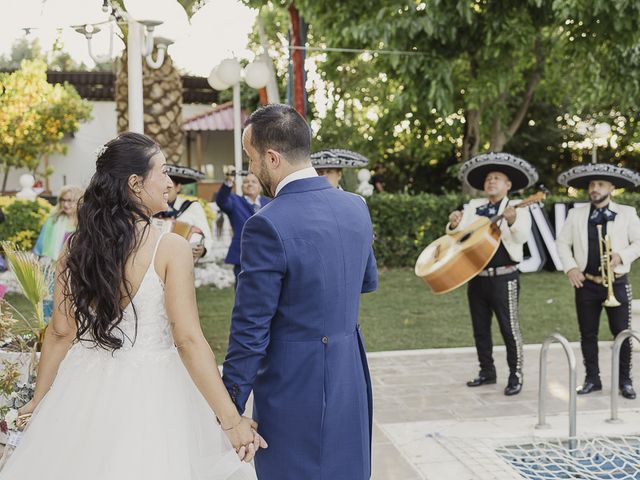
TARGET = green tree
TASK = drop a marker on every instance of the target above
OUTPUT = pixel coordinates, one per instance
(57, 60)
(35, 116)
(488, 57)
(22, 49)
(466, 73)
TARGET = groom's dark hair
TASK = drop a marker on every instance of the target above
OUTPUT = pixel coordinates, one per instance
(281, 128)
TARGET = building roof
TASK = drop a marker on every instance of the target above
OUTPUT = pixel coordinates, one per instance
(218, 118)
(101, 86)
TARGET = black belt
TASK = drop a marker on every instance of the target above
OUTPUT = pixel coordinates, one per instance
(498, 271)
(598, 278)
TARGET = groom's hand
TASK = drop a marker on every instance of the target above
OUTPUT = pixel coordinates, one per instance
(258, 441)
(242, 438)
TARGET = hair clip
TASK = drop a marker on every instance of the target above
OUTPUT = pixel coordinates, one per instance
(100, 151)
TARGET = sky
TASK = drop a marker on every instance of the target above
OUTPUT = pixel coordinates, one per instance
(217, 31)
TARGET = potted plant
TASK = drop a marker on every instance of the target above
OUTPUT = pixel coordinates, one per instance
(21, 335)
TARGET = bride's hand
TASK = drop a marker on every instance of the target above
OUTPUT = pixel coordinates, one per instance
(242, 438)
(27, 408)
(247, 452)
(24, 415)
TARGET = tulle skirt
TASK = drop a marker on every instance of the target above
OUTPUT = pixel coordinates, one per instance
(128, 416)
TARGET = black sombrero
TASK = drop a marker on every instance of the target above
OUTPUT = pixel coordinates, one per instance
(580, 176)
(338, 158)
(184, 175)
(520, 172)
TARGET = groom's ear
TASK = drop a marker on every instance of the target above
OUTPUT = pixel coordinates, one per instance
(273, 159)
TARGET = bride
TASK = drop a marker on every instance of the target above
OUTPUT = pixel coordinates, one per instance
(128, 387)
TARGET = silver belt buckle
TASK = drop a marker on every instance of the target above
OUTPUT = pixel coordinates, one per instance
(487, 272)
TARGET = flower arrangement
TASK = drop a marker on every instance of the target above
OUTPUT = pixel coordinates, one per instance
(17, 394)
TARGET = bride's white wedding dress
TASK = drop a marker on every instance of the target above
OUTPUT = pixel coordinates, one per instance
(134, 414)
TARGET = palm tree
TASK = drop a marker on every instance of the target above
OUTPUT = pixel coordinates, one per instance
(162, 92)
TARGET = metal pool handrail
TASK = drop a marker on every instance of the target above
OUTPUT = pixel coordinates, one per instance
(615, 370)
(542, 390)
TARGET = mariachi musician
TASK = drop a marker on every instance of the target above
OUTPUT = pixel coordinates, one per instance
(188, 211)
(597, 245)
(495, 289)
(331, 163)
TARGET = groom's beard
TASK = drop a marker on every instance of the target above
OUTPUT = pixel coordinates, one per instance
(266, 188)
(265, 181)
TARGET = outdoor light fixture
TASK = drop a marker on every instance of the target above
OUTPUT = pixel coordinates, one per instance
(149, 24)
(89, 31)
(228, 73)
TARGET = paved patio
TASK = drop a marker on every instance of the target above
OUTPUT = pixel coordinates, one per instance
(429, 425)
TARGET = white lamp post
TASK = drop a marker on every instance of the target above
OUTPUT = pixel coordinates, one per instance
(229, 73)
(152, 16)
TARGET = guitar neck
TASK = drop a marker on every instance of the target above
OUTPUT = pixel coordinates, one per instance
(536, 197)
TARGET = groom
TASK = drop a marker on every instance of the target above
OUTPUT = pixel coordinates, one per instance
(295, 339)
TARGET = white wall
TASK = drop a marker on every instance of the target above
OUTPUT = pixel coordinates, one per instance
(78, 165)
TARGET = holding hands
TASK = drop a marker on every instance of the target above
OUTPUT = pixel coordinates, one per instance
(245, 438)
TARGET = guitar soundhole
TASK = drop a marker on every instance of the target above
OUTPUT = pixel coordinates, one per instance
(465, 237)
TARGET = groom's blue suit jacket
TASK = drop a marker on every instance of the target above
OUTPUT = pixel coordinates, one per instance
(295, 339)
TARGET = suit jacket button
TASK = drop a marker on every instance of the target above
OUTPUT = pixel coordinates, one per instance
(325, 340)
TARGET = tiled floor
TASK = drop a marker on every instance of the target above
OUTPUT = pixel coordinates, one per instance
(429, 425)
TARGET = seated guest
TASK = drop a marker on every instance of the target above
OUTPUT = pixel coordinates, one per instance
(188, 211)
(239, 209)
(60, 224)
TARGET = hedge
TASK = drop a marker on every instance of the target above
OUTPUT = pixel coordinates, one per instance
(23, 220)
(404, 224)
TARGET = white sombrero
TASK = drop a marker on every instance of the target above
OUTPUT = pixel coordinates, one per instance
(580, 176)
(338, 158)
(520, 172)
(184, 175)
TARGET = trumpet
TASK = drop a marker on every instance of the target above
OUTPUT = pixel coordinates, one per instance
(605, 268)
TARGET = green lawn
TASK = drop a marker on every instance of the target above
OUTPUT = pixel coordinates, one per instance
(404, 314)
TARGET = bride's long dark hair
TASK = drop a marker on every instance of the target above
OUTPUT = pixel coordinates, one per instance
(95, 286)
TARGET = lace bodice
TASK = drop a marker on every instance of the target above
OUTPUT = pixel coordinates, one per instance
(153, 329)
(153, 326)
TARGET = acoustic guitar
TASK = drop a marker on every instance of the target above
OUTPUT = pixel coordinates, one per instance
(454, 259)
